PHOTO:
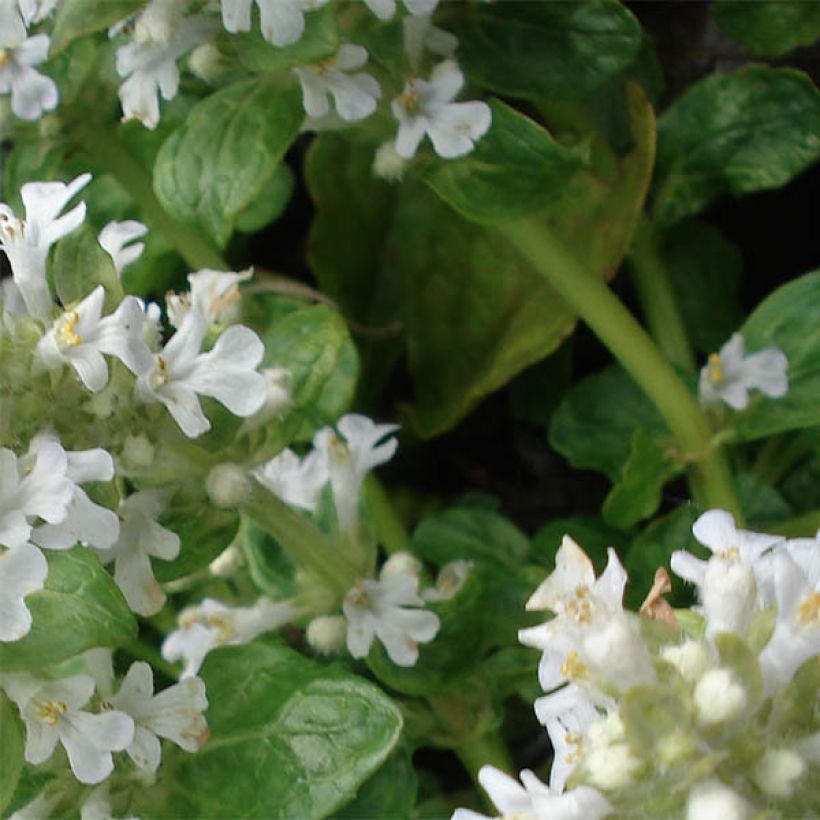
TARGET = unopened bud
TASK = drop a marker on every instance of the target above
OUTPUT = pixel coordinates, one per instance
(137, 452)
(711, 799)
(228, 485)
(401, 563)
(226, 563)
(777, 771)
(207, 62)
(690, 658)
(387, 164)
(327, 634)
(719, 697)
(611, 767)
(729, 595)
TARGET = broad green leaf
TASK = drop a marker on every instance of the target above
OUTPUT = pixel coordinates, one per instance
(788, 319)
(289, 738)
(319, 41)
(349, 252)
(595, 423)
(268, 564)
(391, 792)
(637, 493)
(269, 204)
(220, 160)
(546, 50)
(704, 268)
(594, 535)
(80, 264)
(12, 741)
(763, 506)
(750, 130)
(80, 607)
(76, 18)
(769, 28)
(515, 169)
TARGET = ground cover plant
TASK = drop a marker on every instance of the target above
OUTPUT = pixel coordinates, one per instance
(389, 426)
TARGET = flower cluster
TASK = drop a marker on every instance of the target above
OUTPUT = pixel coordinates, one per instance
(634, 703)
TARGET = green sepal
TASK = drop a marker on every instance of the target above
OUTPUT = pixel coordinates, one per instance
(737, 655)
(794, 711)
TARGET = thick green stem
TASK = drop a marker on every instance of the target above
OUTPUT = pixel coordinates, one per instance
(306, 544)
(389, 528)
(615, 326)
(658, 301)
(489, 749)
(110, 152)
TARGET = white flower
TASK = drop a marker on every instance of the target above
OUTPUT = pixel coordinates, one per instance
(426, 107)
(81, 335)
(277, 399)
(34, 486)
(796, 636)
(85, 521)
(729, 375)
(385, 9)
(34, 11)
(535, 800)
(227, 373)
(27, 242)
(12, 24)
(211, 624)
(158, 21)
(567, 732)
(52, 712)
(117, 239)
(296, 481)
(215, 294)
(282, 22)
(150, 69)
(450, 579)
(140, 537)
(32, 93)
(391, 610)
(354, 95)
(726, 581)
(174, 713)
(711, 799)
(420, 34)
(97, 806)
(350, 459)
(23, 570)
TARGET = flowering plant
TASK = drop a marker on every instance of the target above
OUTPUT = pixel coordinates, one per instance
(243, 569)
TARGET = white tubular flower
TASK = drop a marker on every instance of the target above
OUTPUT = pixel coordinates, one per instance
(296, 481)
(796, 636)
(726, 581)
(450, 579)
(710, 799)
(27, 242)
(85, 521)
(211, 624)
(81, 335)
(117, 239)
(385, 9)
(277, 399)
(52, 712)
(350, 459)
(158, 21)
(728, 376)
(391, 610)
(227, 373)
(31, 487)
(23, 570)
(805, 552)
(32, 93)
(420, 34)
(175, 713)
(141, 537)
(34, 11)
(533, 799)
(427, 107)
(97, 806)
(282, 22)
(567, 733)
(215, 294)
(354, 95)
(150, 69)
(12, 25)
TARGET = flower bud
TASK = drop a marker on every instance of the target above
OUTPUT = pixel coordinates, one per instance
(401, 563)
(729, 595)
(137, 452)
(617, 654)
(387, 164)
(327, 633)
(226, 563)
(611, 767)
(690, 658)
(228, 485)
(777, 771)
(719, 697)
(710, 799)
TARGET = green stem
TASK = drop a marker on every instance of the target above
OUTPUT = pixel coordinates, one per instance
(779, 455)
(306, 544)
(658, 300)
(489, 749)
(148, 653)
(110, 152)
(389, 528)
(615, 326)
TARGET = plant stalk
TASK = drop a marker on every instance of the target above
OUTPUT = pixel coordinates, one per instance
(389, 528)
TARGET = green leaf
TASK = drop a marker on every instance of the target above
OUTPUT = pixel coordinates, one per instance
(769, 28)
(270, 203)
(546, 50)
(763, 506)
(12, 741)
(593, 534)
(268, 564)
(750, 130)
(391, 792)
(80, 608)
(704, 268)
(788, 319)
(595, 423)
(80, 264)
(515, 169)
(790, 719)
(637, 493)
(289, 738)
(222, 158)
(319, 41)
(76, 18)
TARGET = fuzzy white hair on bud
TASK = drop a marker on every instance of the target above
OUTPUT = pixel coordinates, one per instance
(711, 798)
(327, 633)
(778, 770)
(719, 697)
(228, 485)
